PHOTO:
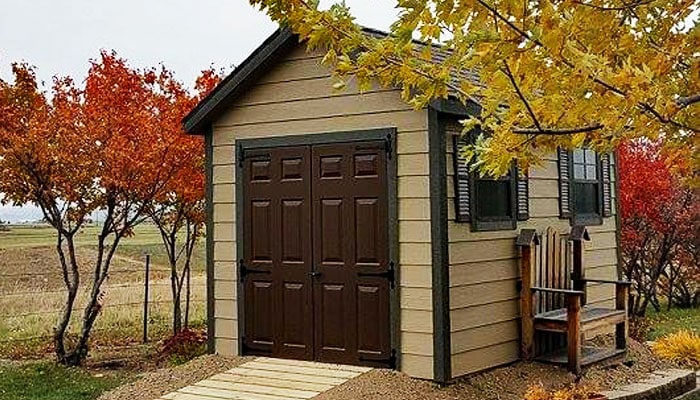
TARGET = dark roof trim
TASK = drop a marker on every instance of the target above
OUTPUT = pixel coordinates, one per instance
(453, 106)
(261, 60)
(217, 101)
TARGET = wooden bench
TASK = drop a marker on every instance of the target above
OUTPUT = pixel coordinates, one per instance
(553, 301)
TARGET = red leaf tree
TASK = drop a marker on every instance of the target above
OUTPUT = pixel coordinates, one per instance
(179, 210)
(659, 228)
(101, 147)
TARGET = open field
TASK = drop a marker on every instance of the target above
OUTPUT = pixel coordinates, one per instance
(32, 289)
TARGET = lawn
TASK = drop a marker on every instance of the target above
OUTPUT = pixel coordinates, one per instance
(29, 265)
(669, 321)
(26, 236)
(47, 381)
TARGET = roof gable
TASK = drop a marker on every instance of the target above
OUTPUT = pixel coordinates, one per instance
(266, 56)
(239, 80)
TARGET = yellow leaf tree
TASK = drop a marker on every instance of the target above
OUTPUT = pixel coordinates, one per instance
(545, 73)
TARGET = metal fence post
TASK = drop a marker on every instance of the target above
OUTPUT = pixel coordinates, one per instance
(145, 300)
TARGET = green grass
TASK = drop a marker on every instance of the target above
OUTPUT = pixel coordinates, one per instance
(44, 235)
(30, 250)
(665, 322)
(48, 381)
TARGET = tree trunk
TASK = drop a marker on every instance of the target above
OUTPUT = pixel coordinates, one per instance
(71, 279)
(187, 296)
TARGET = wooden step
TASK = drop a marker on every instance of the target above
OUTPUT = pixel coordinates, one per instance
(589, 355)
(591, 318)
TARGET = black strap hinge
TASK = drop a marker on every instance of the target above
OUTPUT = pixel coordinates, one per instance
(240, 156)
(389, 362)
(388, 146)
(244, 271)
(388, 274)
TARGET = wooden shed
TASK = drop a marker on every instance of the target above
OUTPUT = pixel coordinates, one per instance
(343, 228)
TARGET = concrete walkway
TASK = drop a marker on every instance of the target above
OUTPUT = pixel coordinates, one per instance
(269, 379)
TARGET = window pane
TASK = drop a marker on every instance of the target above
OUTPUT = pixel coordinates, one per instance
(579, 172)
(590, 156)
(578, 156)
(591, 172)
(493, 198)
(586, 198)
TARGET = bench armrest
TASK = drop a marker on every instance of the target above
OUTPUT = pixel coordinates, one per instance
(612, 282)
(560, 291)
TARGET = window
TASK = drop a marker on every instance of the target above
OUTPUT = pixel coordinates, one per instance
(584, 186)
(488, 203)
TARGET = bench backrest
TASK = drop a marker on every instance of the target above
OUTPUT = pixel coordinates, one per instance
(552, 269)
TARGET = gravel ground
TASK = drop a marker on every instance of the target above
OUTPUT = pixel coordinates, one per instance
(507, 383)
(152, 385)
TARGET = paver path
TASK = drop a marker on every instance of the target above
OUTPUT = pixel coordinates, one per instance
(269, 379)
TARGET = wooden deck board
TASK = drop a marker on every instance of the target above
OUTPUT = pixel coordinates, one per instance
(269, 379)
(287, 375)
(274, 382)
(313, 364)
(253, 388)
(302, 370)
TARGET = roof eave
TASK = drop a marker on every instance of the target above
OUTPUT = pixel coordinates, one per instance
(211, 106)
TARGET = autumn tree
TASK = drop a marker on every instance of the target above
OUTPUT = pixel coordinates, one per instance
(659, 235)
(45, 160)
(545, 74)
(179, 210)
(77, 151)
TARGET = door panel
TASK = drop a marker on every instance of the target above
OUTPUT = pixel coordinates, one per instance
(350, 234)
(277, 253)
(316, 253)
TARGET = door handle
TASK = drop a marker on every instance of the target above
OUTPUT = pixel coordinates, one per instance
(315, 274)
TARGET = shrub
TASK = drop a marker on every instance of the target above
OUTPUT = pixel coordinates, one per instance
(184, 346)
(639, 328)
(573, 392)
(682, 347)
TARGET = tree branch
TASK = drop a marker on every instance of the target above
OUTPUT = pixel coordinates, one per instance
(622, 8)
(688, 100)
(563, 131)
(522, 96)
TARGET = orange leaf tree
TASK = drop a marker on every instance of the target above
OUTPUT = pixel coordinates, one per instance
(179, 210)
(85, 149)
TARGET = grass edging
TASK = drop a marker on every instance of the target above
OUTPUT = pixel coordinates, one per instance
(660, 385)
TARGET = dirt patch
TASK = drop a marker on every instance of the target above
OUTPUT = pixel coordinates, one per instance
(507, 383)
(152, 385)
(38, 269)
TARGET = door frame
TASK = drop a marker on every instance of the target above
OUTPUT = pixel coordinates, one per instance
(388, 135)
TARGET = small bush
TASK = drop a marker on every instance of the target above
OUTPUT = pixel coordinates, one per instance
(573, 392)
(639, 328)
(184, 346)
(682, 347)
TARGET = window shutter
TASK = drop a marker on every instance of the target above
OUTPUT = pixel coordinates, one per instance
(564, 184)
(523, 195)
(605, 165)
(461, 175)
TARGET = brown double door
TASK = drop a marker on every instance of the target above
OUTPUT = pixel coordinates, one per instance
(316, 269)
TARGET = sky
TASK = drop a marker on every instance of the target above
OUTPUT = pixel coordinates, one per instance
(60, 37)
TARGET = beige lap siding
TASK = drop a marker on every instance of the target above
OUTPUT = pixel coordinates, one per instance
(484, 308)
(296, 98)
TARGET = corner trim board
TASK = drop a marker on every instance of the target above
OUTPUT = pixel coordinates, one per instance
(209, 240)
(437, 155)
